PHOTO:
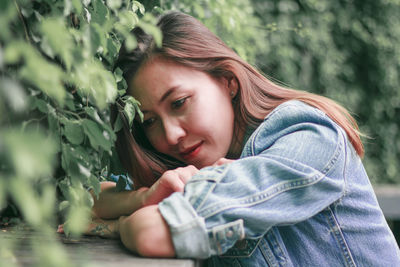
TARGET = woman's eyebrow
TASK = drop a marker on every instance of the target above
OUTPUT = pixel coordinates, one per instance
(167, 93)
(164, 96)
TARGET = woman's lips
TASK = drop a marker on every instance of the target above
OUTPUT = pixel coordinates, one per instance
(191, 152)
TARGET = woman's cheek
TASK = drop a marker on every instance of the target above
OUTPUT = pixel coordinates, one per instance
(157, 142)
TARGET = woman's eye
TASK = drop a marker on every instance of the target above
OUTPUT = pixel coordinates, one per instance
(178, 103)
(147, 123)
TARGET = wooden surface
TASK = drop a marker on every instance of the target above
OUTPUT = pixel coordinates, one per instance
(91, 250)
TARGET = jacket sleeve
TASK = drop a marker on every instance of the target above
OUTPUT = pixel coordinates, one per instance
(291, 168)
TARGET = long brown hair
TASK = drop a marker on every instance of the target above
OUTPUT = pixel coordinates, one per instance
(187, 41)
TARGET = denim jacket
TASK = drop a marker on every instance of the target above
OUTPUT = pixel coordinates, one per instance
(298, 196)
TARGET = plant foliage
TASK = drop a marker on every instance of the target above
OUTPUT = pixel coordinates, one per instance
(56, 84)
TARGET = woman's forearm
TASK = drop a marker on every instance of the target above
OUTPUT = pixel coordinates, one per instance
(112, 204)
(146, 233)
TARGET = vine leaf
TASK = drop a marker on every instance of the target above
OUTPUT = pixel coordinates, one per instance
(95, 134)
(73, 132)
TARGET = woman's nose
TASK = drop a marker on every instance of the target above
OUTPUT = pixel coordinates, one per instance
(174, 132)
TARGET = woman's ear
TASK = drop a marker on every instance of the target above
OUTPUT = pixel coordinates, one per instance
(231, 84)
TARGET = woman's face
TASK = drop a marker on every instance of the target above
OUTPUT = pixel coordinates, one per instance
(188, 114)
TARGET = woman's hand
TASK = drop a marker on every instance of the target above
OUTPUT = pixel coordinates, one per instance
(99, 227)
(171, 181)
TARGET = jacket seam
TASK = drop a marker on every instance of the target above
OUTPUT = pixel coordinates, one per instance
(338, 234)
(268, 254)
(280, 257)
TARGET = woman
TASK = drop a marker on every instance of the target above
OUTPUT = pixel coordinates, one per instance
(228, 163)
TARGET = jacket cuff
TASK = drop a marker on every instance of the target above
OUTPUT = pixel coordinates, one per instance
(188, 230)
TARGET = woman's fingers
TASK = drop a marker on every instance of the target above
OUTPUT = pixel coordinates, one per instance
(176, 179)
(186, 173)
(171, 181)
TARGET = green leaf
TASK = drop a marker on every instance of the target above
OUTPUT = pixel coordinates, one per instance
(130, 42)
(41, 105)
(69, 161)
(114, 4)
(84, 171)
(63, 205)
(24, 196)
(92, 112)
(100, 13)
(8, 13)
(67, 7)
(95, 134)
(85, 156)
(41, 73)
(14, 52)
(54, 127)
(133, 102)
(94, 80)
(95, 116)
(118, 75)
(14, 94)
(94, 183)
(129, 111)
(23, 147)
(74, 192)
(77, 5)
(118, 124)
(59, 41)
(148, 24)
(87, 199)
(64, 187)
(78, 219)
(69, 102)
(138, 6)
(73, 132)
(46, 200)
(128, 19)
(113, 47)
(86, 2)
(95, 37)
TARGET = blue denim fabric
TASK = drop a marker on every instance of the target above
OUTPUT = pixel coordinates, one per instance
(298, 196)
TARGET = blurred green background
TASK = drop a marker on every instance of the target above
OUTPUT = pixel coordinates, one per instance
(57, 83)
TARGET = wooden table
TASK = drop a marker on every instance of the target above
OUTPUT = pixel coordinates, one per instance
(87, 250)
